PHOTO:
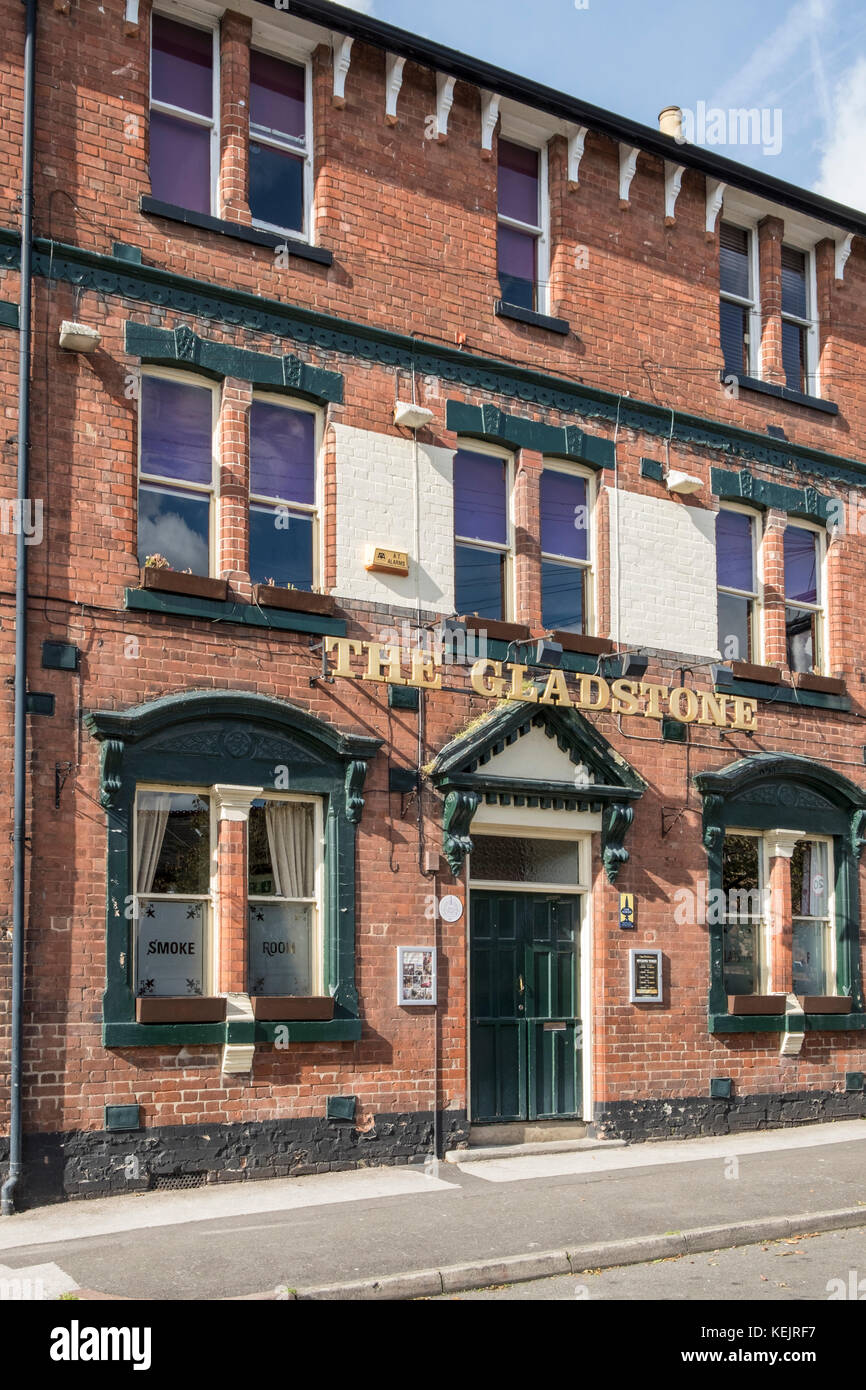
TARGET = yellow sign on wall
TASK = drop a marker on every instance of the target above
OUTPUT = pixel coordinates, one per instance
(384, 561)
(627, 921)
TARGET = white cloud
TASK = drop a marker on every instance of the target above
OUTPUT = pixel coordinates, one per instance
(843, 166)
(773, 58)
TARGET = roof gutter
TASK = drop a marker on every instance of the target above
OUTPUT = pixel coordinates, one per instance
(507, 84)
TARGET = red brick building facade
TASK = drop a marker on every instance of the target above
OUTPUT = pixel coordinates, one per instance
(694, 731)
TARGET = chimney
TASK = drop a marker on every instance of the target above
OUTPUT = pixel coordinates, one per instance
(671, 122)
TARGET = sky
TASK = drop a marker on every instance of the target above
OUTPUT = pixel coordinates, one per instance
(800, 63)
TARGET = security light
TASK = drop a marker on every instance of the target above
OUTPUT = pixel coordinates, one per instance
(414, 417)
(547, 653)
(682, 483)
(634, 664)
(722, 676)
(78, 337)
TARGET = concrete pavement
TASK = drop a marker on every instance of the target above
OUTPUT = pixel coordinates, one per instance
(248, 1238)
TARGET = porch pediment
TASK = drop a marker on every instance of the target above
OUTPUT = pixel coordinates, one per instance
(524, 755)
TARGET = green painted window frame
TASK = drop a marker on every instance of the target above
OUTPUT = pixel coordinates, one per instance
(766, 792)
(204, 738)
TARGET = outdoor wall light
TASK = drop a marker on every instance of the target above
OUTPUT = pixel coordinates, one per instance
(634, 664)
(78, 337)
(682, 483)
(414, 417)
(546, 653)
(722, 676)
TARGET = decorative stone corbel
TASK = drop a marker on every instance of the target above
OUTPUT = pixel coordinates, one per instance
(576, 142)
(715, 195)
(444, 102)
(356, 771)
(394, 66)
(614, 854)
(489, 116)
(673, 182)
(342, 58)
(112, 757)
(237, 1059)
(795, 1027)
(234, 802)
(460, 807)
(858, 833)
(130, 19)
(780, 843)
(843, 251)
(627, 165)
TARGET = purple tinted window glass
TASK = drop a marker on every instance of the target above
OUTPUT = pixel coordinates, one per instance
(801, 565)
(734, 565)
(793, 282)
(516, 254)
(176, 430)
(179, 162)
(277, 95)
(282, 453)
(518, 183)
(479, 497)
(564, 515)
(182, 66)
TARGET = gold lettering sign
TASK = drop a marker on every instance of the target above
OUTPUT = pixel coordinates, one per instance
(498, 680)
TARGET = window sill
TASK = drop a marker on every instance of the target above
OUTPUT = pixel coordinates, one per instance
(785, 695)
(247, 614)
(237, 230)
(216, 1034)
(503, 310)
(776, 1023)
(783, 393)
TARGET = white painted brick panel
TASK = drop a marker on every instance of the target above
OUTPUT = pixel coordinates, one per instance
(375, 481)
(667, 574)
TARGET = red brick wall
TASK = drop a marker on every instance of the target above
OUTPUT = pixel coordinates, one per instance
(411, 223)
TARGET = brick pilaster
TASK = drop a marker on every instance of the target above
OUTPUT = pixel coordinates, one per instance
(770, 233)
(527, 547)
(781, 963)
(773, 578)
(825, 280)
(233, 549)
(233, 805)
(235, 32)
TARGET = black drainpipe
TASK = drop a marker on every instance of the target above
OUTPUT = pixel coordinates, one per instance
(7, 1194)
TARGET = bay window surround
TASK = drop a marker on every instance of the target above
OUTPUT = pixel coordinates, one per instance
(183, 753)
(792, 830)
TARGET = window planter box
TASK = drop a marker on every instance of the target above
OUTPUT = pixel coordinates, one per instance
(804, 680)
(580, 642)
(176, 582)
(748, 671)
(295, 600)
(278, 1008)
(756, 1003)
(826, 1003)
(496, 629)
(184, 1008)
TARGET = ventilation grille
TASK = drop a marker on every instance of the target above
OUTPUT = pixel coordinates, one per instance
(173, 1182)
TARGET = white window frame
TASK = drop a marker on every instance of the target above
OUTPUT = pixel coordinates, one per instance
(210, 966)
(831, 981)
(304, 508)
(194, 20)
(753, 302)
(588, 565)
(762, 923)
(177, 485)
(317, 944)
(756, 594)
(819, 608)
(477, 446)
(541, 230)
(810, 322)
(278, 141)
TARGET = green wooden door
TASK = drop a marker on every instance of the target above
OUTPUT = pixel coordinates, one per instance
(524, 1026)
